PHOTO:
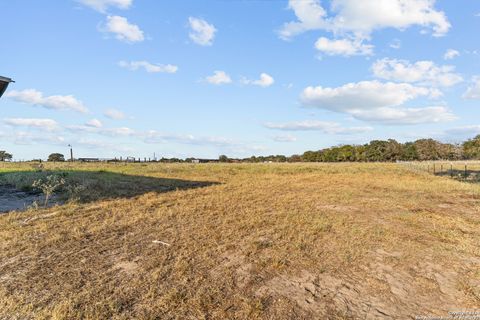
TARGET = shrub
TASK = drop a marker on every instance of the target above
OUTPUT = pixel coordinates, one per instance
(49, 185)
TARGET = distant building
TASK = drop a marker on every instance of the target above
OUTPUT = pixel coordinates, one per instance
(88, 159)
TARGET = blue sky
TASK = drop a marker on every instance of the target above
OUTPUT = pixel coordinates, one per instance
(204, 78)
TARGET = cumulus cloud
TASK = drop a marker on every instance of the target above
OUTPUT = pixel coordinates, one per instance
(56, 102)
(315, 125)
(95, 123)
(361, 18)
(343, 47)
(114, 114)
(376, 101)
(148, 67)
(202, 32)
(310, 15)
(421, 72)
(451, 54)
(265, 80)
(219, 77)
(123, 30)
(41, 124)
(103, 5)
(362, 95)
(400, 116)
(473, 91)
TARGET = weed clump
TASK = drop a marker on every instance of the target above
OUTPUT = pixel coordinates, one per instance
(49, 185)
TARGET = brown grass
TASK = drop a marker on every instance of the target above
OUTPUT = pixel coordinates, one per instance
(267, 241)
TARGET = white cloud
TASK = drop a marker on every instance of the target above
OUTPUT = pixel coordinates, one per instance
(396, 44)
(400, 116)
(361, 95)
(343, 47)
(114, 114)
(202, 32)
(310, 15)
(28, 138)
(122, 131)
(41, 124)
(224, 144)
(451, 54)
(315, 125)
(219, 77)
(148, 67)
(376, 101)
(56, 102)
(111, 132)
(473, 91)
(265, 81)
(123, 30)
(421, 72)
(103, 5)
(95, 123)
(361, 18)
(284, 138)
(154, 136)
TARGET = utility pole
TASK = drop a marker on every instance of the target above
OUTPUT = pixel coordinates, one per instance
(71, 152)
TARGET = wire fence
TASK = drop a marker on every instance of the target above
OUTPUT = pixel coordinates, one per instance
(460, 170)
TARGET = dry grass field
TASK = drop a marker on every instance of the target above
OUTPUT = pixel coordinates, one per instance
(242, 241)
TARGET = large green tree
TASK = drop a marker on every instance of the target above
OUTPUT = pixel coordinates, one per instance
(5, 156)
(56, 157)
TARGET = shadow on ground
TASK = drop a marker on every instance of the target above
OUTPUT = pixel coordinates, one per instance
(472, 176)
(17, 192)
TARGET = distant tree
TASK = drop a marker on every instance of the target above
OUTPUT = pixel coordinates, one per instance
(311, 156)
(471, 148)
(376, 150)
(295, 158)
(5, 156)
(428, 149)
(394, 150)
(57, 157)
(409, 152)
(223, 158)
(451, 151)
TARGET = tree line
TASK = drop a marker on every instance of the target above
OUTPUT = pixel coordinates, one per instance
(385, 151)
(375, 151)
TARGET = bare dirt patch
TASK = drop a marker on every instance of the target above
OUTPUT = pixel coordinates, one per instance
(12, 199)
